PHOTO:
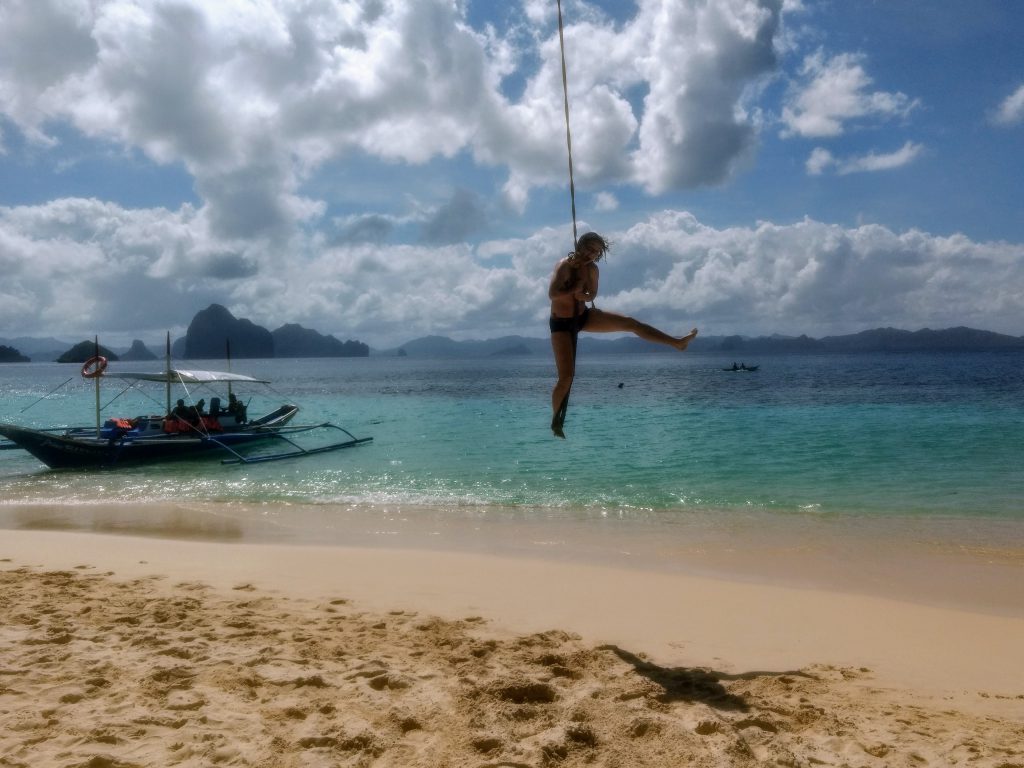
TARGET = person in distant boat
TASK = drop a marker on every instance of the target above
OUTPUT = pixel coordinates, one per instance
(196, 412)
(237, 409)
(182, 411)
(574, 283)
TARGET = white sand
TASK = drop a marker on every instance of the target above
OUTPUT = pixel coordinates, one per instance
(118, 651)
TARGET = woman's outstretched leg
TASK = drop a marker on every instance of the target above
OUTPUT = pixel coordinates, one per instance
(599, 321)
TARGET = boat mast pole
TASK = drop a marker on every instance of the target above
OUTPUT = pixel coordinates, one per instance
(167, 357)
(227, 352)
(96, 345)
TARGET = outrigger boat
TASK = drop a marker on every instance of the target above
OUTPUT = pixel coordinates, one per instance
(151, 438)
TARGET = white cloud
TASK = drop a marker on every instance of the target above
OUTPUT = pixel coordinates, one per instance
(77, 267)
(821, 160)
(249, 97)
(253, 97)
(873, 161)
(810, 278)
(698, 59)
(1011, 110)
(834, 91)
(540, 11)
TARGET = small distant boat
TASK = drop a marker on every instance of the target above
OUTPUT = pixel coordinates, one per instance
(152, 438)
(742, 367)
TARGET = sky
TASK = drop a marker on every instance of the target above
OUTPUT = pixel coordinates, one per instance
(383, 170)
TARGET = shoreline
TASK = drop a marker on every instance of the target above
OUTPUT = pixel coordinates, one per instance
(128, 652)
(957, 563)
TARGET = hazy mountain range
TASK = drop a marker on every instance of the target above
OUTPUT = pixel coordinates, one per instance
(295, 341)
(209, 336)
(878, 340)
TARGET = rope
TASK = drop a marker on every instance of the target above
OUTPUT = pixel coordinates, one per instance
(44, 396)
(568, 135)
(559, 419)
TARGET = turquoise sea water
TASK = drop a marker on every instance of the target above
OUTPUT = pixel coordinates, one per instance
(897, 475)
(909, 435)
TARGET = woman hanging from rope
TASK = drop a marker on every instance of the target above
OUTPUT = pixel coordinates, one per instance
(573, 284)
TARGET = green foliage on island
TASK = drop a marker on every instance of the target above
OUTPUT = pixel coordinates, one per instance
(84, 350)
(11, 355)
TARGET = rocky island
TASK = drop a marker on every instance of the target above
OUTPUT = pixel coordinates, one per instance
(11, 355)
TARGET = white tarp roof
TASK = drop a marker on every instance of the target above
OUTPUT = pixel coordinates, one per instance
(176, 376)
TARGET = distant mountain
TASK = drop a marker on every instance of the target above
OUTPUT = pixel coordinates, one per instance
(178, 349)
(84, 350)
(216, 323)
(214, 327)
(958, 339)
(513, 351)
(11, 355)
(442, 346)
(293, 340)
(631, 345)
(38, 348)
(138, 351)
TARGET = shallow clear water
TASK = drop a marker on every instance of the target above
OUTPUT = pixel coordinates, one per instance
(918, 434)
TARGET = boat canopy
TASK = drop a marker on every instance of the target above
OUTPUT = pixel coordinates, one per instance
(177, 376)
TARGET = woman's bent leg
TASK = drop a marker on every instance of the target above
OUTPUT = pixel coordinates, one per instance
(565, 363)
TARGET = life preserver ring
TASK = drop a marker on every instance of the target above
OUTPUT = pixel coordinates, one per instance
(94, 366)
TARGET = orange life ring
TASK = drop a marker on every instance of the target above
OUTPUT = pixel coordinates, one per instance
(94, 366)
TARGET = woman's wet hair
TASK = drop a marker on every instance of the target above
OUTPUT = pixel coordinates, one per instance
(591, 239)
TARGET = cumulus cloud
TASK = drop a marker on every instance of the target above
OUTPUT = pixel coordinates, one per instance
(811, 277)
(821, 160)
(73, 268)
(698, 59)
(605, 201)
(252, 98)
(456, 220)
(834, 91)
(1011, 110)
(255, 99)
(368, 228)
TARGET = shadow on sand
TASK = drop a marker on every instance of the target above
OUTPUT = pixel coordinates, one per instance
(692, 684)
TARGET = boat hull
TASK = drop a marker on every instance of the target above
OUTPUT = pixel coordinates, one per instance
(81, 448)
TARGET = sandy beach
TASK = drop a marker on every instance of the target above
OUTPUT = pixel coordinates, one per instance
(120, 651)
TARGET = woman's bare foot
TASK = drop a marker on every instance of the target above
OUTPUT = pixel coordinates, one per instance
(684, 342)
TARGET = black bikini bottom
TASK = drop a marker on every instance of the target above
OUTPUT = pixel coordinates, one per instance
(569, 324)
